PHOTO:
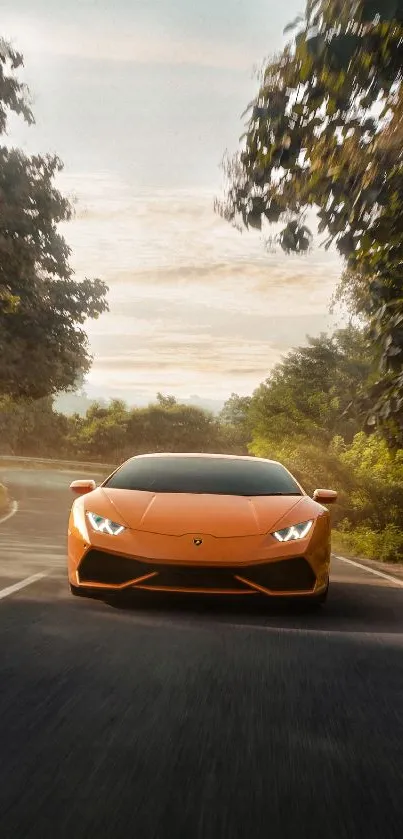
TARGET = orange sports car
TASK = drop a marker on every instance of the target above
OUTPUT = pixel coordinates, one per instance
(217, 524)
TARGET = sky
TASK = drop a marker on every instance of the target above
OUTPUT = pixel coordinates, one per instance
(140, 99)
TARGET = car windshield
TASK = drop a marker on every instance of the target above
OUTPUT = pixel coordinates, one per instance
(212, 476)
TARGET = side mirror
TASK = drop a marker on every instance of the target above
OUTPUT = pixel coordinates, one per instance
(325, 496)
(82, 487)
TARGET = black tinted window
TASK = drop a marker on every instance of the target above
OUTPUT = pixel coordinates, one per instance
(204, 475)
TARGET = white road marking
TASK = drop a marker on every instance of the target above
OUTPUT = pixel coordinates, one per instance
(5, 592)
(371, 570)
(14, 508)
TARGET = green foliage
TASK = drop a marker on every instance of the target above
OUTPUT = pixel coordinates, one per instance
(312, 392)
(303, 415)
(175, 428)
(102, 434)
(326, 131)
(236, 410)
(31, 428)
(235, 422)
(370, 458)
(111, 433)
(368, 516)
(166, 401)
(384, 546)
(42, 307)
(13, 94)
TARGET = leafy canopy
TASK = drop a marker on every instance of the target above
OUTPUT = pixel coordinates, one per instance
(310, 395)
(325, 132)
(43, 347)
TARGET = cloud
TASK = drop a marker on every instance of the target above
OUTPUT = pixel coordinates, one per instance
(187, 352)
(137, 42)
(143, 317)
(261, 274)
(191, 300)
(173, 245)
(176, 363)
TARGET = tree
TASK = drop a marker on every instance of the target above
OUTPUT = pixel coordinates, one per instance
(103, 433)
(43, 347)
(235, 410)
(235, 421)
(310, 395)
(115, 432)
(173, 427)
(32, 428)
(325, 132)
(166, 401)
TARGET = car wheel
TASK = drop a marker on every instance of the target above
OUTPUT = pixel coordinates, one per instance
(323, 597)
(319, 601)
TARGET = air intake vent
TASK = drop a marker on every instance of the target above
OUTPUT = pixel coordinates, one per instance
(109, 569)
(287, 575)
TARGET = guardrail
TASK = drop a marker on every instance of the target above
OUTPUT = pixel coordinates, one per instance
(48, 461)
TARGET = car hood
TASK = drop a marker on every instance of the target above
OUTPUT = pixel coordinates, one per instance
(177, 514)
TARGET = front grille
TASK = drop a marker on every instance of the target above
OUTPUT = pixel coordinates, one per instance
(174, 576)
(288, 575)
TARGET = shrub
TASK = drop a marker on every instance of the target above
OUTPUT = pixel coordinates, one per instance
(368, 517)
(385, 545)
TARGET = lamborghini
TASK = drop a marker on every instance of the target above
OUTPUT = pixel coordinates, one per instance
(200, 523)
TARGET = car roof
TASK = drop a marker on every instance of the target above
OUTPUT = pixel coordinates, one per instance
(208, 456)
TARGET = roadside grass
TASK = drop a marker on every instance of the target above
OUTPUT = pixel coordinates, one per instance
(362, 541)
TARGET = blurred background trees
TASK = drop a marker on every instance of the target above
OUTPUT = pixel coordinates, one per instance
(324, 135)
(303, 414)
(43, 346)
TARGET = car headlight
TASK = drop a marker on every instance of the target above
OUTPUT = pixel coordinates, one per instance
(296, 531)
(102, 525)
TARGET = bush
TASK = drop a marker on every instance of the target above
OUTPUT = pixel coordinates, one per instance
(368, 517)
(386, 545)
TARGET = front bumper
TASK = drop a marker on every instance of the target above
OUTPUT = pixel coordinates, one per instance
(291, 576)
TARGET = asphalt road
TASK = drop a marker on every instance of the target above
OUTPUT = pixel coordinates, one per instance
(172, 718)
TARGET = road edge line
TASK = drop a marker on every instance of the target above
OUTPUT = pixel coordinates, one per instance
(370, 570)
(13, 511)
(28, 581)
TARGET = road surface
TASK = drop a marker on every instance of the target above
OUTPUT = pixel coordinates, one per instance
(176, 718)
